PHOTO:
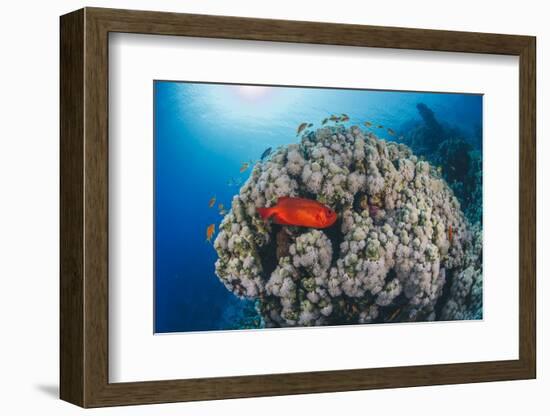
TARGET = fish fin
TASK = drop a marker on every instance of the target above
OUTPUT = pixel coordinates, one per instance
(265, 213)
(278, 220)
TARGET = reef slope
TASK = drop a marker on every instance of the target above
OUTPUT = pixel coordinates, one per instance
(402, 249)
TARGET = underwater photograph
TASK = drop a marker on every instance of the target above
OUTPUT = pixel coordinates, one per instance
(289, 206)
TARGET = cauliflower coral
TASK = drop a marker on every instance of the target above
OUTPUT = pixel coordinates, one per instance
(400, 251)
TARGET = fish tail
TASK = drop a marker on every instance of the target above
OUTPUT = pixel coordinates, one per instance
(265, 213)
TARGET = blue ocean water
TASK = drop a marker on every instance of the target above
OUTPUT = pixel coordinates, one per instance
(205, 132)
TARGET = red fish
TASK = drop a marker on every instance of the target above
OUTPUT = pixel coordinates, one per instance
(210, 232)
(300, 212)
(450, 232)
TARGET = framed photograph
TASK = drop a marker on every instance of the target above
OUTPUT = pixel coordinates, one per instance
(255, 207)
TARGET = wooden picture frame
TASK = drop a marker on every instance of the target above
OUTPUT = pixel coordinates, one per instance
(84, 207)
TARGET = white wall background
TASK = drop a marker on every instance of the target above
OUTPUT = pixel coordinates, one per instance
(29, 206)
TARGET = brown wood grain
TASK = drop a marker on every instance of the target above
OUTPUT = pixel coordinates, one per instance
(84, 207)
(527, 208)
(71, 213)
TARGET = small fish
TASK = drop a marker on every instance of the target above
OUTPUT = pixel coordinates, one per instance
(450, 234)
(334, 118)
(380, 126)
(368, 124)
(244, 167)
(310, 125)
(394, 315)
(300, 212)
(221, 209)
(400, 138)
(301, 128)
(390, 131)
(364, 202)
(325, 120)
(344, 118)
(210, 232)
(211, 202)
(266, 153)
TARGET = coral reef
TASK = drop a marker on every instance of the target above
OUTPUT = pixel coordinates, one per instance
(459, 158)
(466, 294)
(401, 250)
(240, 314)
